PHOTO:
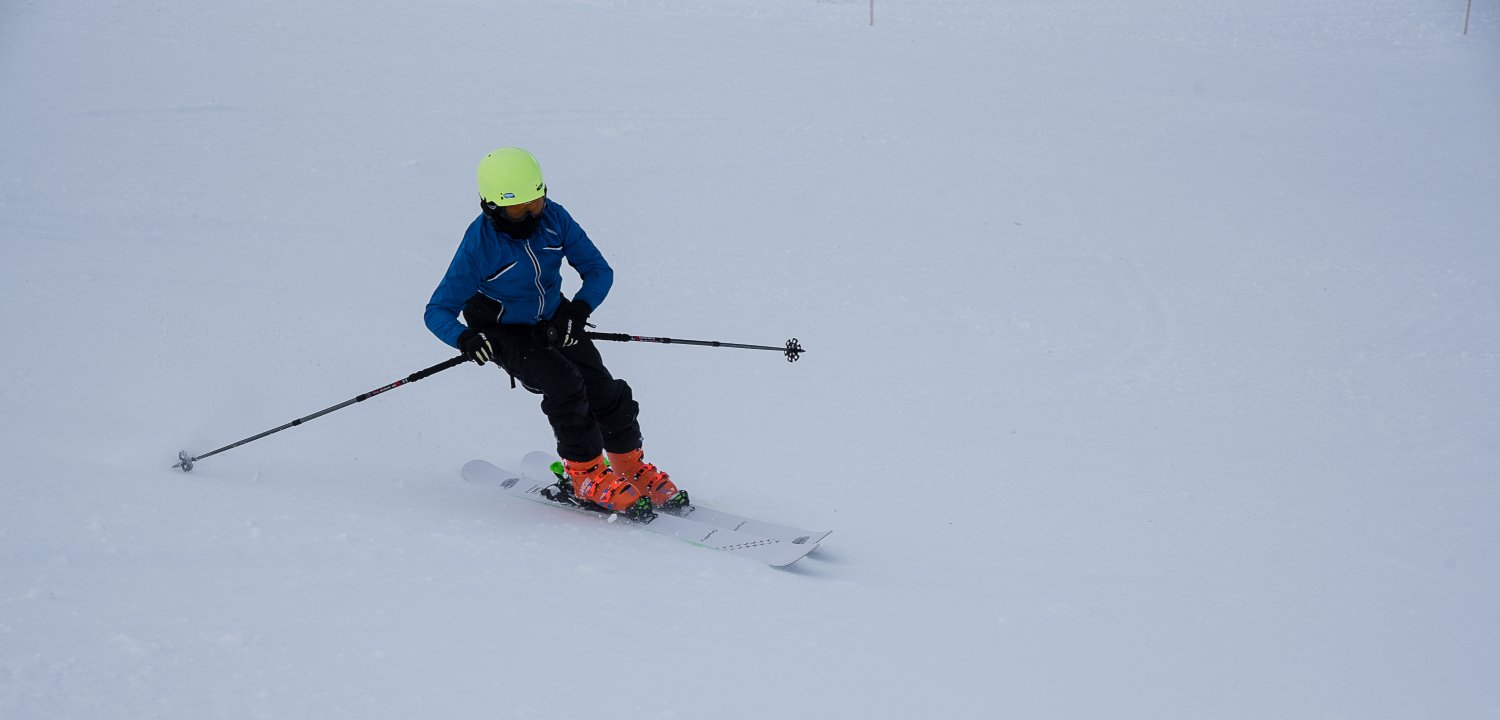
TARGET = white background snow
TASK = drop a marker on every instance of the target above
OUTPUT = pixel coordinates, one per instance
(1152, 358)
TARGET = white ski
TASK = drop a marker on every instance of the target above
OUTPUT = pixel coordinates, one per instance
(761, 528)
(771, 551)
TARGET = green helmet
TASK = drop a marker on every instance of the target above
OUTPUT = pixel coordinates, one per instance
(510, 176)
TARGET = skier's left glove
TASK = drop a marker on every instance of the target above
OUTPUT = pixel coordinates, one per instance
(571, 322)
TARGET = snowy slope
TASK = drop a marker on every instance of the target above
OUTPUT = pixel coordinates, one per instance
(1151, 371)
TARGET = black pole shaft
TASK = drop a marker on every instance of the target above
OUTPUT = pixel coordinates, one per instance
(187, 462)
(792, 348)
(668, 341)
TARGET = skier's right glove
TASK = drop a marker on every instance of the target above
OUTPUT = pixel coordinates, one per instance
(476, 345)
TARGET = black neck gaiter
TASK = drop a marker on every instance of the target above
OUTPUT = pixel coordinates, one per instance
(517, 229)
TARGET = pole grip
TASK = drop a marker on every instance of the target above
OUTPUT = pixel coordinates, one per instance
(435, 369)
(612, 337)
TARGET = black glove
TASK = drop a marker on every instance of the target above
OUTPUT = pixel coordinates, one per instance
(476, 345)
(571, 322)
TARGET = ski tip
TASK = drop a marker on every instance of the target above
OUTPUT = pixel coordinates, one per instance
(788, 562)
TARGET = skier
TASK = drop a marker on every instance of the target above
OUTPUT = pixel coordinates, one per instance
(506, 280)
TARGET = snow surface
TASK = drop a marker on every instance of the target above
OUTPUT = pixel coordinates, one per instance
(1152, 358)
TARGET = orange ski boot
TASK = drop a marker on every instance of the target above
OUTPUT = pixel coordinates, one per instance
(656, 484)
(595, 482)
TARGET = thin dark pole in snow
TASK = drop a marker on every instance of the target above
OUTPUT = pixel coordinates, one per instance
(186, 461)
(872, 15)
(1467, 10)
(792, 349)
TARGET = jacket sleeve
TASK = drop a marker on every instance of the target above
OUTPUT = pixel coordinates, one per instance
(581, 253)
(457, 286)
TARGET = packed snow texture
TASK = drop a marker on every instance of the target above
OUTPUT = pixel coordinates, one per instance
(1151, 373)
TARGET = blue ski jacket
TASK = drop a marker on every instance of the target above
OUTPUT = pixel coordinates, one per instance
(524, 276)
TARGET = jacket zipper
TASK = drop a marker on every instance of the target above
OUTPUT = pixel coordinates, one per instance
(541, 294)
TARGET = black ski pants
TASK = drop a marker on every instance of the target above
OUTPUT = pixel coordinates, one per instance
(590, 410)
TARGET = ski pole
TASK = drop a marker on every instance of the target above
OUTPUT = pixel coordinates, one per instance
(793, 349)
(186, 461)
